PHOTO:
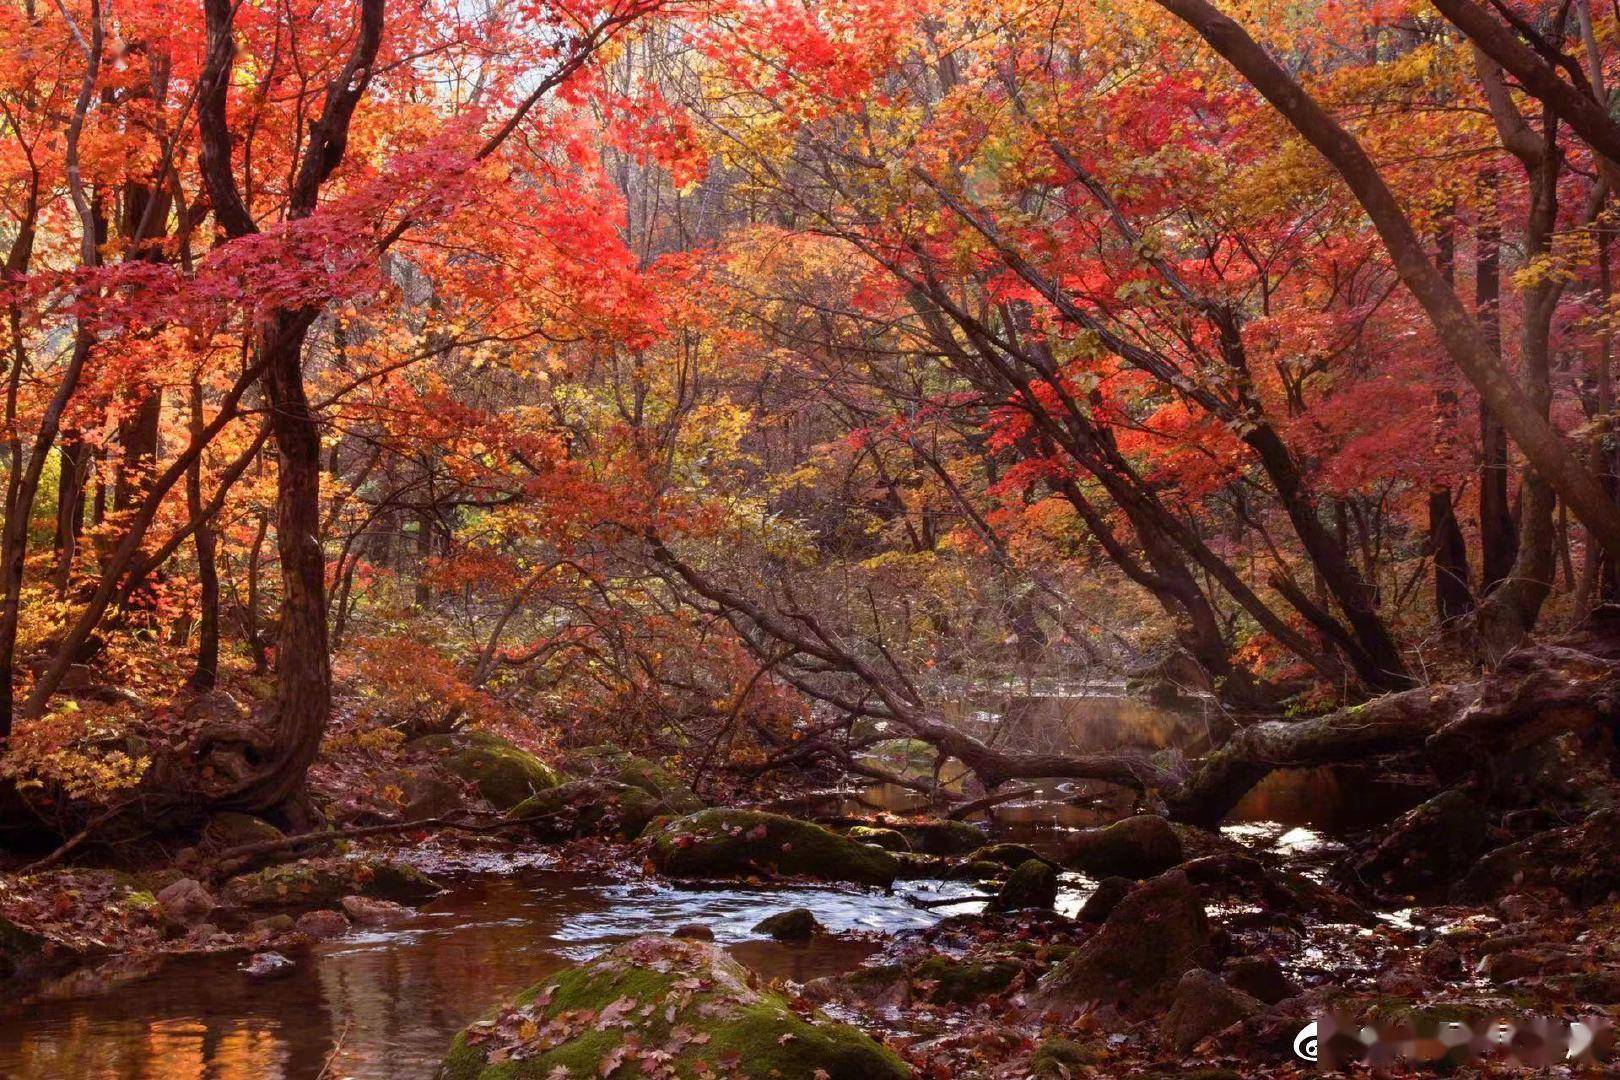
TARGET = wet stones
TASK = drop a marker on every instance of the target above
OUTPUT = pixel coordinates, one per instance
(322, 924)
(593, 807)
(1155, 934)
(795, 924)
(1136, 847)
(185, 903)
(368, 911)
(737, 843)
(1033, 885)
(267, 966)
(324, 882)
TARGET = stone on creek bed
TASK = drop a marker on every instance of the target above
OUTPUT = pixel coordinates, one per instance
(1137, 847)
(324, 882)
(592, 807)
(738, 843)
(613, 763)
(503, 772)
(669, 1003)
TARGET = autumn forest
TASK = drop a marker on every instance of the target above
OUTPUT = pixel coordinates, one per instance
(824, 538)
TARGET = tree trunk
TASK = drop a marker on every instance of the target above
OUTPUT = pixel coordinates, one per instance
(1498, 539)
(303, 665)
(207, 669)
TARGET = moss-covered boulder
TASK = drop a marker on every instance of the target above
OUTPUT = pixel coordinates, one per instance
(1104, 899)
(1011, 856)
(736, 843)
(1137, 847)
(1150, 939)
(946, 980)
(940, 837)
(658, 1005)
(593, 807)
(1202, 1006)
(1033, 885)
(613, 763)
(1063, 1058)
(504, 773)
(887, 839)
(324, 882)
(794, 924)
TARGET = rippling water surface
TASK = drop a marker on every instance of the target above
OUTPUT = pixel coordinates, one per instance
(384, 1005)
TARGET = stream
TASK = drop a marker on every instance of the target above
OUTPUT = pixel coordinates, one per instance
(384, 1004)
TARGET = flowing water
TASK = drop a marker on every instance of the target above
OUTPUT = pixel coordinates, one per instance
(385, 1004)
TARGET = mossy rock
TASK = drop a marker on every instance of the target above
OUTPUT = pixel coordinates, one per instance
(686, 999)
(1060, 1057)
(887, 839)
(504, 773)
(1137, 847)
(593, 807)
(976, 870)
(736, 843)
(1009, 855)
(1203, 1005)
(324, 882)
(1033, 885)
(1137, 957)
(940, 837)
(613, 763)
(794, 924)
(945, 980)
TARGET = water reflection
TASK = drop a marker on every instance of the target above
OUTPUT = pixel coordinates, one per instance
(383, 1006)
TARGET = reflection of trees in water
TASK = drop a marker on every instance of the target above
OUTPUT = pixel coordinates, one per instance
(1084, 723)
(146, 1041)
(1333, 799)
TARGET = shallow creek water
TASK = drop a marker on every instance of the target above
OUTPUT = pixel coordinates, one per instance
(385, 1004)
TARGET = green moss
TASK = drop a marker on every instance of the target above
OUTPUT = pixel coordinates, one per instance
(1008, 855)
(617, 764)
(504, 774)
(322, 882)
(1057, 1056)
(941, 837)
(887, 839)
(587, 808)
(963, 981)
(672, 985)
(733, 843)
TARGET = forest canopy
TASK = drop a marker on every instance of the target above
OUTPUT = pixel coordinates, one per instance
(742, 381)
